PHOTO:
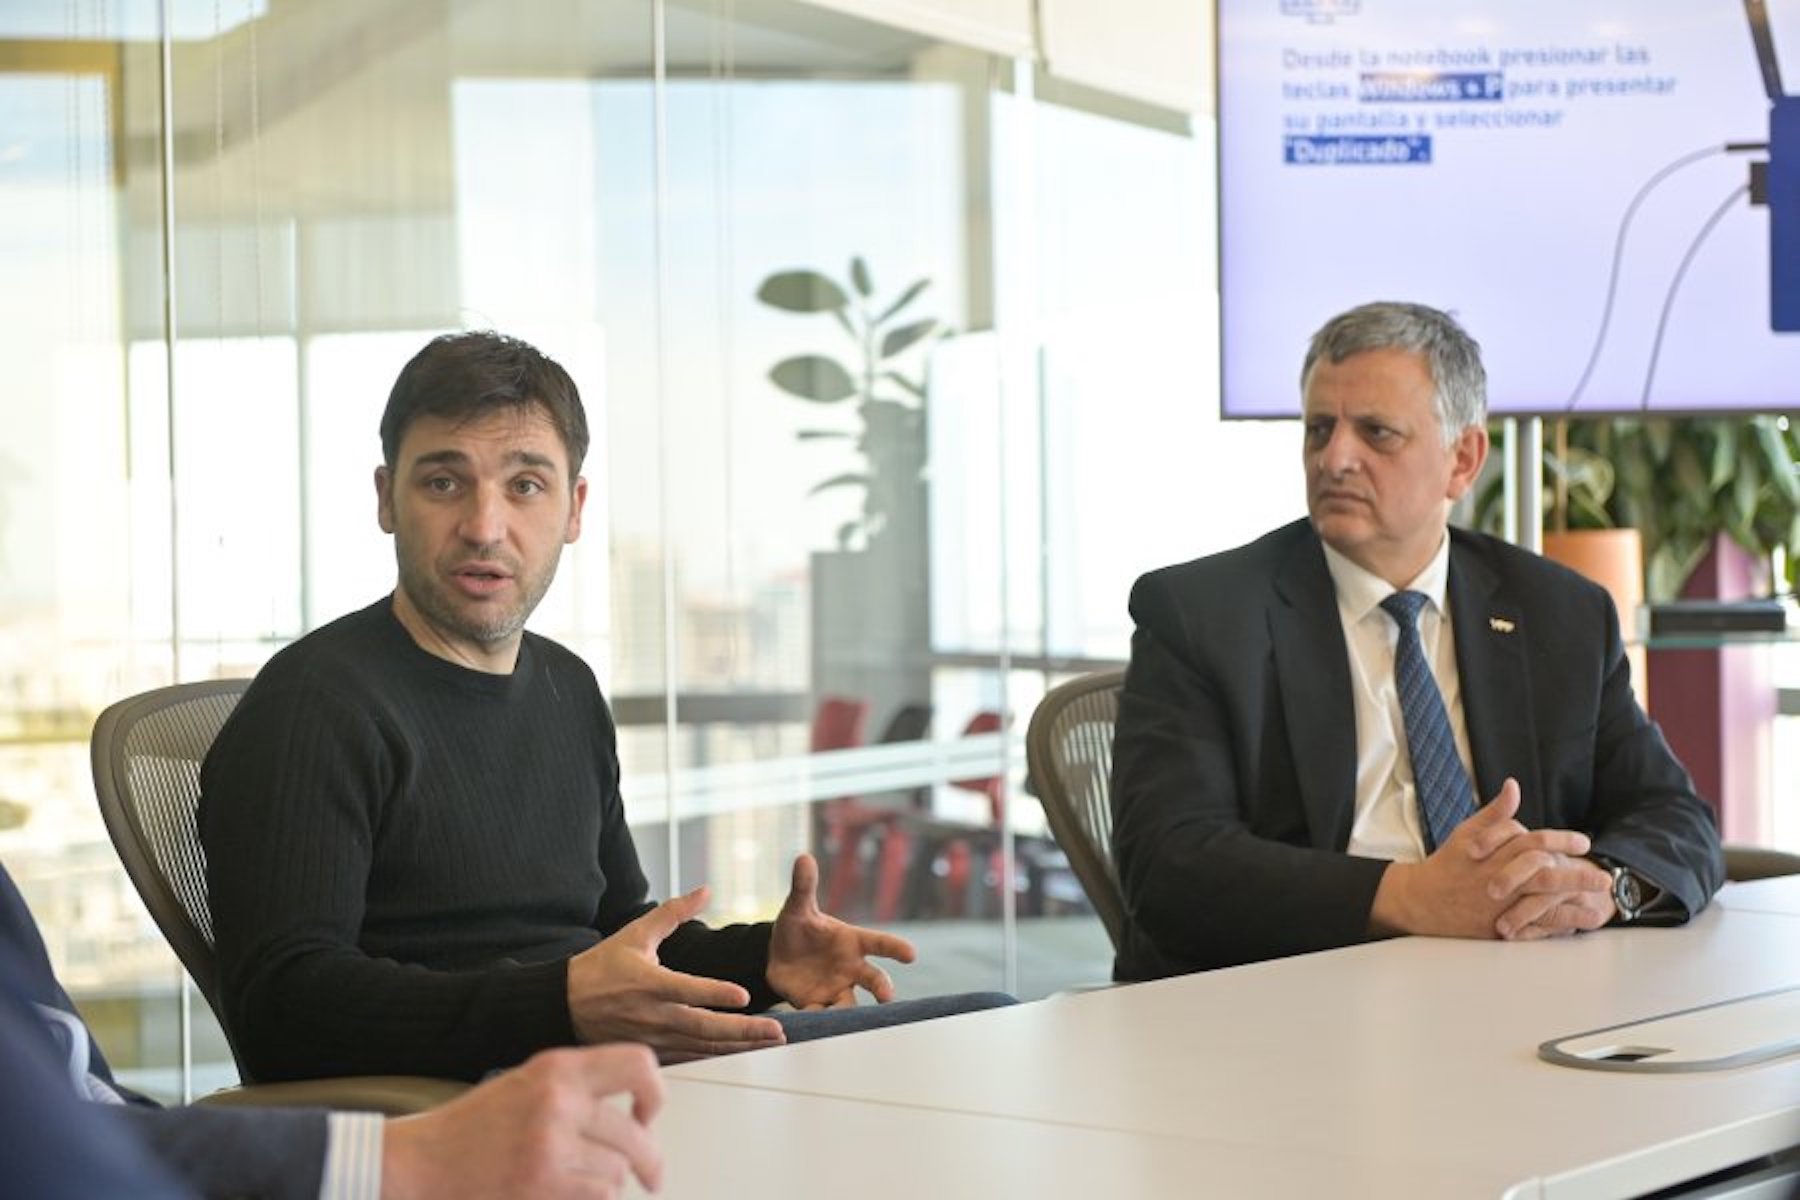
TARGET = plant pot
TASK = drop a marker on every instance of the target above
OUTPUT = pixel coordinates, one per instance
(1614, 559)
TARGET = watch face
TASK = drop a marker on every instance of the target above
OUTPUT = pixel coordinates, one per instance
(1628, 894)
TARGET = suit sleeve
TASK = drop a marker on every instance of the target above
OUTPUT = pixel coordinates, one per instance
(271, 1154)
(1215, 858)
(1645, 813)
(59, 1147)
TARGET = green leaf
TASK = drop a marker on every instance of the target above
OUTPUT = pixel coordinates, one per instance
(1634, 480)
(899, 339)
(916, 390)
(1784, 472)
(1744, 490)
(1685, 460)
(813, 377)
(801, 292)
(847, 479)
(1724, 456)
(859, 275)
(1585, 514)
(906, 298)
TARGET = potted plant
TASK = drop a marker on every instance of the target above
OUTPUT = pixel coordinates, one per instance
(871, 610)
(1579, 530)
(1679, 482)
(889, 401)
(1687, 482)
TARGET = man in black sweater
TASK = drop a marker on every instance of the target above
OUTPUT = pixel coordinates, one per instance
(416, 847)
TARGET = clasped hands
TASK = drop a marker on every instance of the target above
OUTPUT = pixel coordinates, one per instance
(620, 991)
(1494, 878)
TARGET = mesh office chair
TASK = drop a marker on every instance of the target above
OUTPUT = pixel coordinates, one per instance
(1068, 750)
(147, 752)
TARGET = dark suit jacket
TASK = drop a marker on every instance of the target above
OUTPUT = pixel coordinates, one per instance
(59, 1147)
(1235, 756)
(275, 1154)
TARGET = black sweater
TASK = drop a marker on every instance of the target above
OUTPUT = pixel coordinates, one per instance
(403, 854)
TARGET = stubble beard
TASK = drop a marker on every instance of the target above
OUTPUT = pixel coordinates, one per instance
(485, 625)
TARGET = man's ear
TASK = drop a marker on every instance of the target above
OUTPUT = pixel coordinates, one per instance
(1467, 457)
(577, 499)
(384, 498)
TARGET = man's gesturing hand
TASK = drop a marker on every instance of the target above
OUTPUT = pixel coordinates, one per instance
(818, 961)
(619, 991)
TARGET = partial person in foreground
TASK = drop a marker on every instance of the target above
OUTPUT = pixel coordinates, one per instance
(416, 845)
(548, 1129)
(1311, 722)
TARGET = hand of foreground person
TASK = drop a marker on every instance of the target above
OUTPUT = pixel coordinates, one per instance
(571, 1123)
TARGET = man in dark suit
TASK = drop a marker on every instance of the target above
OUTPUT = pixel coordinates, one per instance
(74, 1131)
(1310, 721)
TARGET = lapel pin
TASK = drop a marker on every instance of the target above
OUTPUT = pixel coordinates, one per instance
(1500, 625)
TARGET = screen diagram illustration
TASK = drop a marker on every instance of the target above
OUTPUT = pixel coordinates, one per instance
(1607, 192)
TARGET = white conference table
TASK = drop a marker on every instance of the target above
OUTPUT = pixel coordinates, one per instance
(1401, 1067)
(1764, 895)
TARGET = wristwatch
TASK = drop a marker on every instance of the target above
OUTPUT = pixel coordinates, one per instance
(1627, 893)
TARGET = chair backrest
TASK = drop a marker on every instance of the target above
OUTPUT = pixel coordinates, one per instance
(147, 752)
(1068, 749)
(991, 786)
(839, 723)
(910, 723)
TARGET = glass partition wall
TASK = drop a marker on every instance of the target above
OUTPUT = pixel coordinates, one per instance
(875, 366)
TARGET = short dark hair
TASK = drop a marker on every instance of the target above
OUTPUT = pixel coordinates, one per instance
(463, 376)
(1452, 356)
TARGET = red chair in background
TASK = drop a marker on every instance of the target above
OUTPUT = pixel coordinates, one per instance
(839, 723)
(850, 829)
(991, 786)
(959, 851)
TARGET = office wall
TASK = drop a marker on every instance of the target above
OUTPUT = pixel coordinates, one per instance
(223, 233)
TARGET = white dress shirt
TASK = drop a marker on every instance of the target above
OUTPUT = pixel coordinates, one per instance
(1386, 824)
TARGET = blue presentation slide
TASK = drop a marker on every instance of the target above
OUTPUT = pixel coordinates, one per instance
(1606, 192)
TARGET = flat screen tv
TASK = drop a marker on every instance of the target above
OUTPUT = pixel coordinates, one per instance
(1605, 192)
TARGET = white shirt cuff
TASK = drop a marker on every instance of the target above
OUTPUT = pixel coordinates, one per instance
(352, 1157)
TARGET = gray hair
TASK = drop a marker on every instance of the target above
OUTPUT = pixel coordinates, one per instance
(1450, 354)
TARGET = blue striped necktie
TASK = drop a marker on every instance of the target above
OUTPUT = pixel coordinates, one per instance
(1445, 797)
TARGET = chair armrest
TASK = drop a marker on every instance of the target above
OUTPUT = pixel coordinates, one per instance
(389, 1095)
(1758, 862)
